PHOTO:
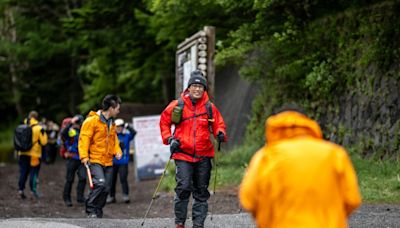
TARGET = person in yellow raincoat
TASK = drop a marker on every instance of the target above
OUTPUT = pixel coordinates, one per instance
(29, 161)
(98, 144)
(298, 179)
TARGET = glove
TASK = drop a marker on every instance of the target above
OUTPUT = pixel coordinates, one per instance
(221, 137)
(131, 130)
(173, 144)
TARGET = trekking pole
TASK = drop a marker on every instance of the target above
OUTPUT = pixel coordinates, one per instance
(215, 179)
(155, 192)
(89, 176)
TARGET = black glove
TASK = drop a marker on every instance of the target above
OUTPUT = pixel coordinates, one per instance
(131, 130)
(173, 144)
(221, 137)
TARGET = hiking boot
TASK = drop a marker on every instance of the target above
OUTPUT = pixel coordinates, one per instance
(35, 195)
(68, 203)
(180, 225)
(21, 194)
(110, 199)
(92, 216)
(125, 198)
(81, 200)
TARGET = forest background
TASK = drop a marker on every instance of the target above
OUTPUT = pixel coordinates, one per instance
(337, 59)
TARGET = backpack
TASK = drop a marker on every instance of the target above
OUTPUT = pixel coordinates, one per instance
(23, 137)
(180, 106)
(64, 124)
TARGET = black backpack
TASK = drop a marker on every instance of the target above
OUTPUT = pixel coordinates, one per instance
(23, 137)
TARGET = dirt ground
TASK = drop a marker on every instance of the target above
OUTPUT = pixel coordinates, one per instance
(51, 204)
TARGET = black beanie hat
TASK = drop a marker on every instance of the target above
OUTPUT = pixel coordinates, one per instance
(196, 77)
(80, 119)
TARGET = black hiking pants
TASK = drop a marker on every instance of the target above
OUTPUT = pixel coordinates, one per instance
(25, 170)
(102, 176)
(122, 170)
(75, 167)
(192, 178)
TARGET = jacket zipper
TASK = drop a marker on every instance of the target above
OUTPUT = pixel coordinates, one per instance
(108, 136)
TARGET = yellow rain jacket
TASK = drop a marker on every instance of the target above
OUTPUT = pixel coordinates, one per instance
(299, 179)
(98, 142)
(39, 139)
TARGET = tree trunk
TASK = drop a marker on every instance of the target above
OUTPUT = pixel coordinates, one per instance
(10, 33)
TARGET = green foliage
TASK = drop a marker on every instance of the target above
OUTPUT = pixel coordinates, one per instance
(320, 81)
(6, 142)
(312, 53)
(379, 180)
(6, 136)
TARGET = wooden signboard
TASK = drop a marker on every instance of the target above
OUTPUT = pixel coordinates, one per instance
(196, 52)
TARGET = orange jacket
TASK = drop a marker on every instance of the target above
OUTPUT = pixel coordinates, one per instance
(98, 142)
(299, 179)
(193, 133)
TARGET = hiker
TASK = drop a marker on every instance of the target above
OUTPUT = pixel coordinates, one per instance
(29, 160)
(70, 138)
(121, 166)
(98, 144)
(299, 179)
(195, 118)
(51, 146)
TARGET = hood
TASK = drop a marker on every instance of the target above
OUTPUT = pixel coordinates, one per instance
(98, 114)
(186, 98)
(93, 113)
(290, 124)
(32, 121)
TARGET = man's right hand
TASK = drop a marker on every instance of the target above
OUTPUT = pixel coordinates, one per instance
(84, 160)
(67, 155)
(173, 144)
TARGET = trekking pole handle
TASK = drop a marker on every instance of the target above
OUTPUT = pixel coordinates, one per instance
(89, 175)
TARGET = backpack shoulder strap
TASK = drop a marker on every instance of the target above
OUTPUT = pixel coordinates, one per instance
(181, 104)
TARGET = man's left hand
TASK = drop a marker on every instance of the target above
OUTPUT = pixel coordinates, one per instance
(118, 156)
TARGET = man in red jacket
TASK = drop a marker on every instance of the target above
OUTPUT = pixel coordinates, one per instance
(195, 118)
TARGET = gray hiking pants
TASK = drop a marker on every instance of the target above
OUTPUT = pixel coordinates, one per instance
(102, 176)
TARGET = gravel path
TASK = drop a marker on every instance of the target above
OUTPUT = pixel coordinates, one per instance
(374, 216)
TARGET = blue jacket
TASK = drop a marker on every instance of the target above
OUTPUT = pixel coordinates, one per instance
(124, 142)
(71, 143)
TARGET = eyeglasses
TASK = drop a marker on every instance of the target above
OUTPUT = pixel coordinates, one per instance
(197, 86)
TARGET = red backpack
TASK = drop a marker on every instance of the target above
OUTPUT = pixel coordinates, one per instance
(64, 124)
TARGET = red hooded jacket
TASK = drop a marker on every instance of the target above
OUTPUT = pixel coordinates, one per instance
(192, 132)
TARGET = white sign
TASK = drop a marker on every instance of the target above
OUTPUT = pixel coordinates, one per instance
(151, 154)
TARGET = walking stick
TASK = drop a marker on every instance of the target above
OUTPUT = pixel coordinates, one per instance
(215, 179)
(89, 176)
(155, 192)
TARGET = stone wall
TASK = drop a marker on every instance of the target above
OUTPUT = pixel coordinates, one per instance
(367, 118)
